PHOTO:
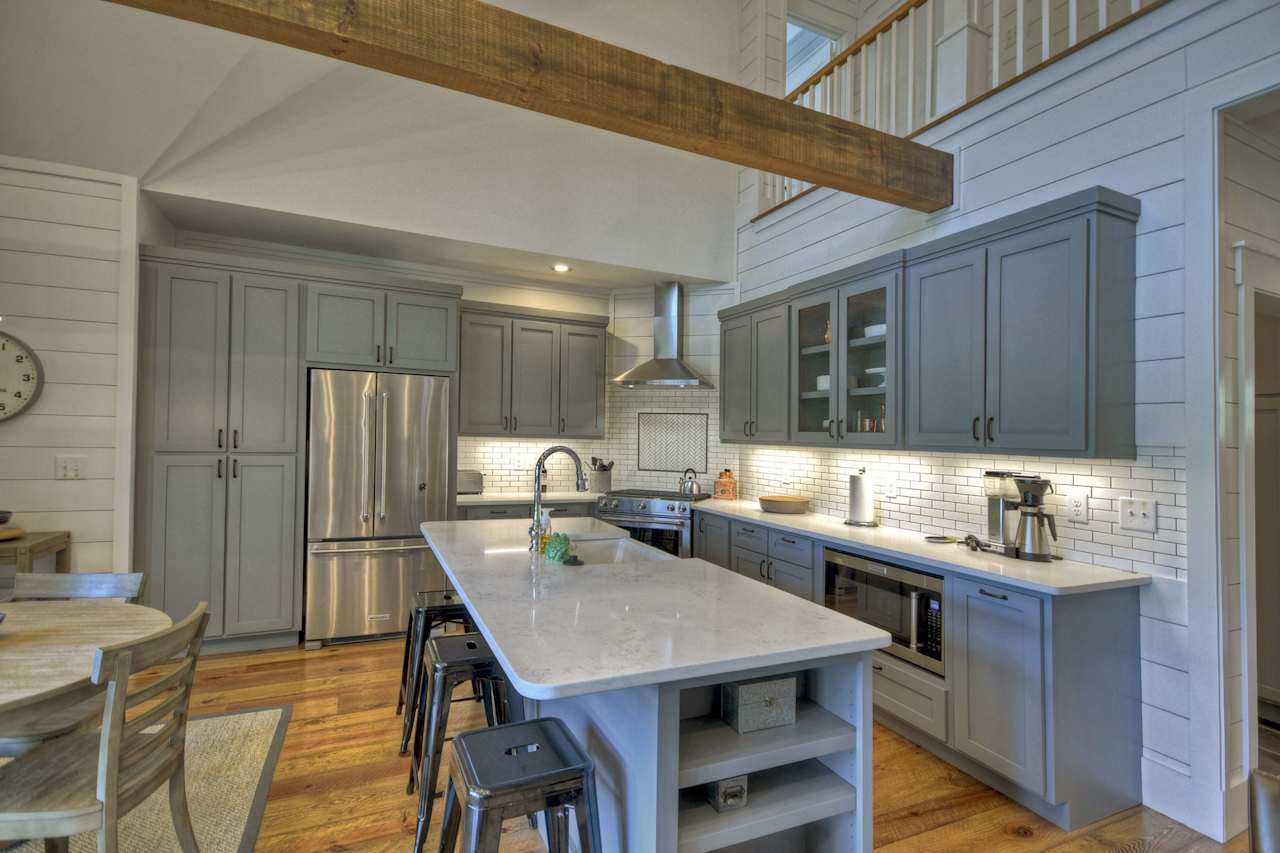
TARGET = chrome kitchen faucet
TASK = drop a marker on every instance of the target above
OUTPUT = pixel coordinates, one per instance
(535, 528)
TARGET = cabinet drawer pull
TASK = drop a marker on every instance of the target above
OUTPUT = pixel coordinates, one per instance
(515, 424)
(498, 512)
(746, 432)
(235, 469)
(998, 595)
(761, 570)
(789, 541)
(831, 428)
(701, 524)
(219, 469)
(562, 425)
(991, 423)
(219, 438)
(976, 421)
(840, 428)
(875, 667)
(506, 423)
(391, 355)
(235, 439)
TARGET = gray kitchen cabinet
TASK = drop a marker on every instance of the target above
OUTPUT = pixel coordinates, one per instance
(582, 380)
(1037, 302)
(187, 555)
(189, 358)
(535, 377)
(484, 385)
(946, 335)
(474, 513)
(735, 379)
(711, 539)
(868, 376)
(910, 694)
(791, 578)
(422, 332)
(264, 364)
(998, 671)
(345, 325)
(261, 543)
(749, 564)
(770, 374)
(814, 362)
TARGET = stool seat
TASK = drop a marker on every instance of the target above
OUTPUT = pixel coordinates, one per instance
(459, 650)
(537, 752)
(441, 601)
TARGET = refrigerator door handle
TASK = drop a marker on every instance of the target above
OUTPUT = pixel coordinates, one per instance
(366, 462)
(382, 473)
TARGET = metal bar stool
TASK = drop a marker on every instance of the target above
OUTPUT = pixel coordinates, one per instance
(430, 610)
(452, 660)
(518, 769)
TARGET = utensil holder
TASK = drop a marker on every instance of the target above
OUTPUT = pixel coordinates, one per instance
(599, 481)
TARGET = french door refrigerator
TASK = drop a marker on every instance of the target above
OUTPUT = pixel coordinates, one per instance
(377, 467)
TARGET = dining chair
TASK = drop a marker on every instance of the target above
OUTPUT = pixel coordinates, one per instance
(86, 781)
(29, 585)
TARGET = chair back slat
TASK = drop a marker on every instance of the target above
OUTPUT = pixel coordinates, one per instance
(29, 586)
(137, 754)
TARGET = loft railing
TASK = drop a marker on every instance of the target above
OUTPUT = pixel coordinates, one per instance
(904, 75)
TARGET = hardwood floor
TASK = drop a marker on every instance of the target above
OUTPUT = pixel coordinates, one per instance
(339, 784)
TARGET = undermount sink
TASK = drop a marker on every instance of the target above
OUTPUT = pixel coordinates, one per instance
(599, 551)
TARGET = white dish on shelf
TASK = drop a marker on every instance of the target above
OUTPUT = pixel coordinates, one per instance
(874, 330)
(874, 370)
(823, 382)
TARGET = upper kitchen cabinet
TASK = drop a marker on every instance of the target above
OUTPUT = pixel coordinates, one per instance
(531, 372)
(370, 327)
(844, 357)
(1020, 333)
(264, 364)
(755, 376)
(422, 332)
(345, 325)
(188, 352)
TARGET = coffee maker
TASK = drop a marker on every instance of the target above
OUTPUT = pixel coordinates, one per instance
(1036, 531)
(1003, 504)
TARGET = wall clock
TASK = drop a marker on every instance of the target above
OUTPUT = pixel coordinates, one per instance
(21, 377)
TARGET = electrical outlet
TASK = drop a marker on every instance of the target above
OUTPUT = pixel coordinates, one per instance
(1138, 515)
(69, 467)
(1078, 507)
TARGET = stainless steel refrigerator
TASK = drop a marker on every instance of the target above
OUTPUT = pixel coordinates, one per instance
(377, 467)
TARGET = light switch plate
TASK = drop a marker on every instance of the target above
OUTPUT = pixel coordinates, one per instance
(67, 467)
(1138, 515)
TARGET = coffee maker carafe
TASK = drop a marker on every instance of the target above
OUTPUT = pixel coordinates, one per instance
(1036, 528)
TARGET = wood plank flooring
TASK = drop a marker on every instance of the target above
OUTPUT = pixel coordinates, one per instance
(340, 784)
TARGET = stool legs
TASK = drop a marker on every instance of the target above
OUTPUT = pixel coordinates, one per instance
(587, 812)
(449, 821)
(404, 665)
(414, 675)
(557, 829)
(482, 830)
(442, 688)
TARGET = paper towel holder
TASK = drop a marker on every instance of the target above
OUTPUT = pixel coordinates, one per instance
(862, 501)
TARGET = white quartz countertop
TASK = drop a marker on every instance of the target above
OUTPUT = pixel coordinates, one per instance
(909, 548)
(502, 498)
(569, 630)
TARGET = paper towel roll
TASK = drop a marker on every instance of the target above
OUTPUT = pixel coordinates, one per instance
(862, 500)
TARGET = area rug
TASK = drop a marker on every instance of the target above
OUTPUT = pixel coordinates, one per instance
(230, 761)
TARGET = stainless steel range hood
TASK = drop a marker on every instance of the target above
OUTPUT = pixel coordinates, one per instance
(665, 369)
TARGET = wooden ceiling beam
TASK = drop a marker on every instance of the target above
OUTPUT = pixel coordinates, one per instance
(484, 50)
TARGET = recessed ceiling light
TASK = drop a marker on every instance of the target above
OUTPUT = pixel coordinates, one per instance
(562, 267)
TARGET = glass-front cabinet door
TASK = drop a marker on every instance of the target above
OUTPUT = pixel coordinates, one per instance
(868, 361)
(814, 334)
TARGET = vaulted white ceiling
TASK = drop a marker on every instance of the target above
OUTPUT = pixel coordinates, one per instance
(218, 124)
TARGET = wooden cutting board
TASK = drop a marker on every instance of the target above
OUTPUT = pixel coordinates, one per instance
(7, 533)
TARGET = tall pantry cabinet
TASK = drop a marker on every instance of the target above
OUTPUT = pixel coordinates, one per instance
(218, 442)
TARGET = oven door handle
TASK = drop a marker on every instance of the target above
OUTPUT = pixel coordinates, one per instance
(651, 523)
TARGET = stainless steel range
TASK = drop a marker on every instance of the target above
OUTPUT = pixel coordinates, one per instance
(652, 516)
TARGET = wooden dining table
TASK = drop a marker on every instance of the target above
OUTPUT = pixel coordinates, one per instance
(48, 647)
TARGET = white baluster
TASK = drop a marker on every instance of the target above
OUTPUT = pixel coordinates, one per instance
(881, 118)
(1019, 35)
(1046, 32)
(1073, 22)
(1102, 15)
(892, 125)
(911, 72)
(995, 43)
(1135, 6)
(928, 13)
(863, 94)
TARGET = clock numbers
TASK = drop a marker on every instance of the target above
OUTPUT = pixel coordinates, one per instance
(21, 377)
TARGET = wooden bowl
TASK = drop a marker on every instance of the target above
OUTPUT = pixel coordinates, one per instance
(784, 504)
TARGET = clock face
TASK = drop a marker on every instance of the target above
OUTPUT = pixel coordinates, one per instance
(21, 377)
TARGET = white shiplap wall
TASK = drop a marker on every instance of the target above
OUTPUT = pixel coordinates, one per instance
(1250, 213)
(61, 267)
(1111, 114)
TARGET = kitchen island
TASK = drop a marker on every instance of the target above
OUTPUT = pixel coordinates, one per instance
(630, 650)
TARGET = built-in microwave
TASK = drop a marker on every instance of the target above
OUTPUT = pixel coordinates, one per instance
(906, 603)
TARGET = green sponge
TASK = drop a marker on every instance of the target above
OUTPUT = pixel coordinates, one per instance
(558, 548)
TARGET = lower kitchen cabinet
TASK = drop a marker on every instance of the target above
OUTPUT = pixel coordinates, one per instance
(711, 539)
(261, 544)
(998, 664)
(791, 578)
(749, 564)
(911, 695)
(573, 509)
(187, 535)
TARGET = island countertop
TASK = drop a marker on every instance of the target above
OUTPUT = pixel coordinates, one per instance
(562, 631)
